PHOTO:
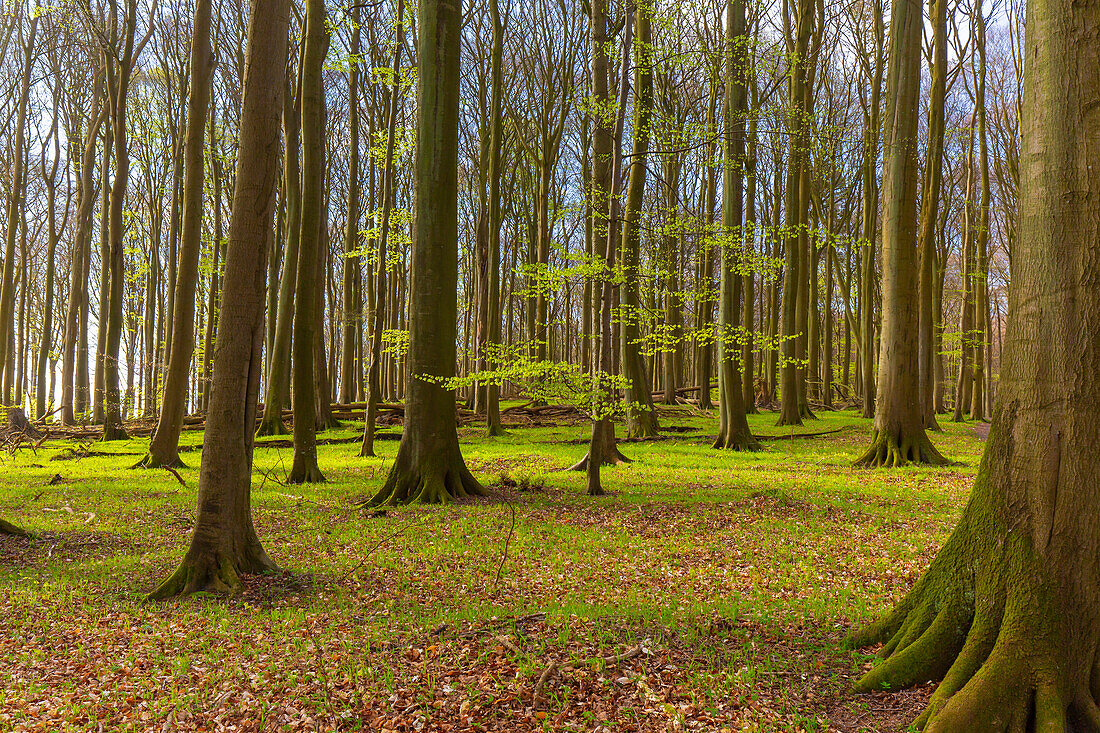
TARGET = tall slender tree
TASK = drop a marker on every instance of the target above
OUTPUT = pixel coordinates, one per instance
(304, 469)
(164, 445)
(899, 436)
(733, 428)
(224, 543)
(429, 466)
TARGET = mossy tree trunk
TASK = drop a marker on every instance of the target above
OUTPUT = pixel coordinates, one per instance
(1008, 613)
(163, 447)
(304, 469)
(733, 428)
(429, 466)
(224, 543)
(899, 436)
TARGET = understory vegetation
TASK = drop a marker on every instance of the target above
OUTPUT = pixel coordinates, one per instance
(706, 591)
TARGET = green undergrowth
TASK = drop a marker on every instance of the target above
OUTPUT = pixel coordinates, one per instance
(738, 573)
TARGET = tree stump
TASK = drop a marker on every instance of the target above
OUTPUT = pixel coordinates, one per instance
(18, 424)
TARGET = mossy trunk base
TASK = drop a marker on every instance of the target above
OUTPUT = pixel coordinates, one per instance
(892, 449)
(433, 480)
(213, 573)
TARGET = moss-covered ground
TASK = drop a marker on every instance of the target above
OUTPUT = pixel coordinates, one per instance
(709, 591)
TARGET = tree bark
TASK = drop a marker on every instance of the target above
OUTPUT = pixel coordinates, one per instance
(641, 418)
(378, 306)
(429, 466)
(304, 468)
(733, 427)
(899, 436)
(1008, 614)
(164, 445)
(15, 205)
(224, 543)
(278, 377)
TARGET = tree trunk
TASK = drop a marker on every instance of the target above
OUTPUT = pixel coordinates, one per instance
(224, 544)
(271, 422)
(429, 466)
(733, 427)
(352, 318)
(493, 423)
(899, 436)
(304, 468)
(164, 445)
(929, 214)
(641, 419)
(1007, 614)
(15, 205)
(795, 267)
(379, 294)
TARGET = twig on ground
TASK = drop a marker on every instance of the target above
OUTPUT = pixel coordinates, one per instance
(507, 542)
(175, 473)
(374, 547)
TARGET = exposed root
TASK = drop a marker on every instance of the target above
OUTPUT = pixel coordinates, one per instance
(152, 461)
(430, 483)
(616, 458)
(212, 574)
(10, 529)
(495, 430)
(736, 441)
(888, 450)
(113, 432)
(273, 426)
(306, 474)
(981, 621)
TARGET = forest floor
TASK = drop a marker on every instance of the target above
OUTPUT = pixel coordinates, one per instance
(708, 592)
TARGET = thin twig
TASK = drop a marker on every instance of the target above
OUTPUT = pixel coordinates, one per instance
(507, 542)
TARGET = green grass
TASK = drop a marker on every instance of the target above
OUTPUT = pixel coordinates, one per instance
(738, 573)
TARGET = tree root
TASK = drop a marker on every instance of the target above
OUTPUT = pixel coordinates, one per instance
(981, 621)
(615, 459)
(306, 474)
(113, 432)
(212, 574)
(7, 528)
(430, 483)
(736, 441)
(273, 426)
(152, 461)
(892, 451)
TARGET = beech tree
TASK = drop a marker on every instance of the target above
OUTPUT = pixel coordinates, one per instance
(429, 466)
(899, 436)
(224, 543)
(304, 468)
(164, 445)
(1006, 615)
